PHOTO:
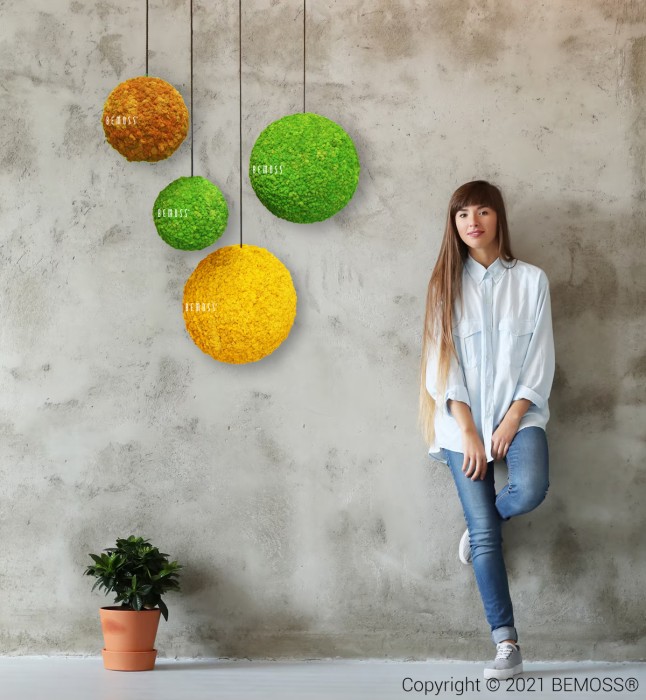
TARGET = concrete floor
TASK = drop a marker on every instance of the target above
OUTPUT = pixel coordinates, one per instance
(84, 678)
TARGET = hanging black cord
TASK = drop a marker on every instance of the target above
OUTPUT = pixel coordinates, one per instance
(304, 15)
(192, 132)
(146, 38)
(240, 74)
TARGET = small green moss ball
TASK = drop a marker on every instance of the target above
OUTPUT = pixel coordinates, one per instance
(191, 213)
(304, 168)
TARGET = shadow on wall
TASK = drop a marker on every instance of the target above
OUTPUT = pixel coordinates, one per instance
(230, 623)
(581, 543)
(595, 284)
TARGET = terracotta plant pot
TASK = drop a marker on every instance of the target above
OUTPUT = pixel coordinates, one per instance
(129, 637)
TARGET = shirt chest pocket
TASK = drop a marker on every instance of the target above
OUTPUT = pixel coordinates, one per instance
(514, 337)
(467, 335)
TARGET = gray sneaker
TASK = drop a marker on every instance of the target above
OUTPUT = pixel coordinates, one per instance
(508, 662)
(464, 549)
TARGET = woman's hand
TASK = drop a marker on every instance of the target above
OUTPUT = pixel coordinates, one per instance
(503, 435)
(475, 459)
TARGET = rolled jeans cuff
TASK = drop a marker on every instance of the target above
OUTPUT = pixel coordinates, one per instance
(501, 633)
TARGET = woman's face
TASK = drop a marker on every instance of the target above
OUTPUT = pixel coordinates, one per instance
(478, 227)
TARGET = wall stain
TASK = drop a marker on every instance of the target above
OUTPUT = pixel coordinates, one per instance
(335, 465)
(18, 153)
(105, 9)
(474, 30)
(565, 557)
(173, 379)
(405, 299)
(115, 470)
(271, 448)
(80, 130)
(470, 32)
(379, 531)
(621, 11)
(117, 233)
(388, 31)
(561, 384)
(64, 406)
(612, 608)
(589, 404)
(636, 59)
(188, 428)
(341, 527)
(637, 366)
(593, 283)
(111, 50)
(178, 270)
(393, 341)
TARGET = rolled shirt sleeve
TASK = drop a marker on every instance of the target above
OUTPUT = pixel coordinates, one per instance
(537, 372)
(456, 387)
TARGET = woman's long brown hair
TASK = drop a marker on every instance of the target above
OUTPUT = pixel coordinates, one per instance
(445, 289)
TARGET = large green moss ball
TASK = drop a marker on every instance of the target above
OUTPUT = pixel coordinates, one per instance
(191, 213)
(304, 168)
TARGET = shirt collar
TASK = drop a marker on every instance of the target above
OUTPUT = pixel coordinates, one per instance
(477, 271)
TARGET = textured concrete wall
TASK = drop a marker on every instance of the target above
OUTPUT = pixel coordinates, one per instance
(296, 491)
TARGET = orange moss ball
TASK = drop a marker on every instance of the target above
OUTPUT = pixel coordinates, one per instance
(145, 119)
(239, 304)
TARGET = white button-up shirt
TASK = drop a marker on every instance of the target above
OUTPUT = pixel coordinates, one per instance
(505, 346)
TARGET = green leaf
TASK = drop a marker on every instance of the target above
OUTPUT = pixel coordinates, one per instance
(136, 572)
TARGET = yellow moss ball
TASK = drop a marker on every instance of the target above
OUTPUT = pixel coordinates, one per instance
(239, 304)
(145, 119)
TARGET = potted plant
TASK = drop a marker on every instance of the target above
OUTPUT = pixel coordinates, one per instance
(138, 574)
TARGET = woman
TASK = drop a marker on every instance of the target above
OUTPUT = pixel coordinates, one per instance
(486, 375)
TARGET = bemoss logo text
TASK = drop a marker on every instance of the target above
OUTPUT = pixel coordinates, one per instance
(267, 169)
(195, 306)
(172, 213)
(119, 120)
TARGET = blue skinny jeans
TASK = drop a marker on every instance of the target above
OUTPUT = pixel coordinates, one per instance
(484, 511)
